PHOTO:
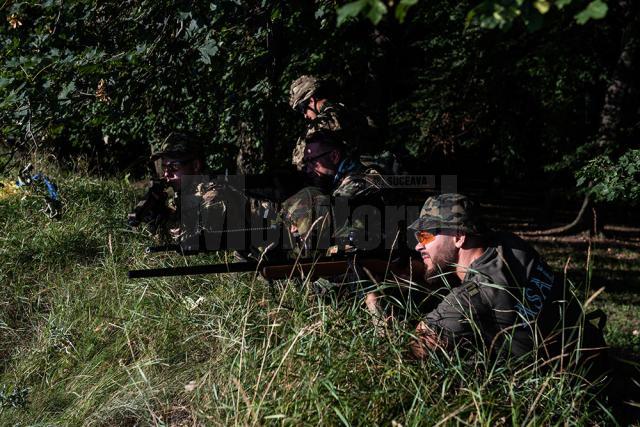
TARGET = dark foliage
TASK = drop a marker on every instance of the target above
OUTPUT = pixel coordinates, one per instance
(105, 79)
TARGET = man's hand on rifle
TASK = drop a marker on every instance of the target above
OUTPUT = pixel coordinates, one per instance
(153, 206)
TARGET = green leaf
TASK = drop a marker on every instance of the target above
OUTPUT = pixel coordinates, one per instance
(377, 11)
(5, 82)
(562, 3)
(350, 10)
(192, 28)
(402, 8)
(471, 17)
(597, 9)
(207, 50)
(320, 12)
(542, 6)
(66, 90)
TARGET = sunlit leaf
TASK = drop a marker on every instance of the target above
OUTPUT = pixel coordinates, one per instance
(14, 21)
(597, 9)
(542, 6)
(377, 11)
(350, 10)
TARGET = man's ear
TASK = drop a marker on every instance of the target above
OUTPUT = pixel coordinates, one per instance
(458, 240)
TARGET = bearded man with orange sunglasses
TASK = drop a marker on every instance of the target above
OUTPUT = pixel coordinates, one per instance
(504, 299)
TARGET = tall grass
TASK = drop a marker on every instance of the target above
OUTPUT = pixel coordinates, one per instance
(80, 344)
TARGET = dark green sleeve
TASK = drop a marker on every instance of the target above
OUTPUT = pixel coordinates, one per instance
(455, 318)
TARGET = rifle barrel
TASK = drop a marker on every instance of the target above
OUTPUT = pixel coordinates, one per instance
(234, 267)
(270, 270)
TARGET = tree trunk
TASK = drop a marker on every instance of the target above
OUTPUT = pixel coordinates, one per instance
(275, 41)
(578, 221)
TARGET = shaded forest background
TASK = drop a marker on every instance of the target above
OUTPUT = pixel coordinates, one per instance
(529, 93)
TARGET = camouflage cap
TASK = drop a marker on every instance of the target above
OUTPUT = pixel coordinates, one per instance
(304, 207)
(176, 145)
(449, 212)
(302, 89)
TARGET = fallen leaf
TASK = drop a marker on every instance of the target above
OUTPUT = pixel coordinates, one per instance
(14, 21)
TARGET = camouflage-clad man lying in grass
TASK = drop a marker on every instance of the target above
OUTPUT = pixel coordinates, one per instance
(182, 186)
(505, 299)
(174, 156)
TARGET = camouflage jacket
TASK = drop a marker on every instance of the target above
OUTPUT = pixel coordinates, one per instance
(359, 184)
(183, 217)
(171, 227)
(224, 208)
(355, 180)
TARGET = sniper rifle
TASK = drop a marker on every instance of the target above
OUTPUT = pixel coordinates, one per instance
(322, 267)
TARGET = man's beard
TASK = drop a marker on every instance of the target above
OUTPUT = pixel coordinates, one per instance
(442, 266)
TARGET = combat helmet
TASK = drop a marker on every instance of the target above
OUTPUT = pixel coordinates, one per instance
(304, 208)
(303, 88)
(176, 144)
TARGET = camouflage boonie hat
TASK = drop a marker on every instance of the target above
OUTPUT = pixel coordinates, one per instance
(176, 144)
(449, 212)
(302, 89)
(304, 207)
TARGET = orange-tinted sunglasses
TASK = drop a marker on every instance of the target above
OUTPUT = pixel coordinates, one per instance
(424, 237)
